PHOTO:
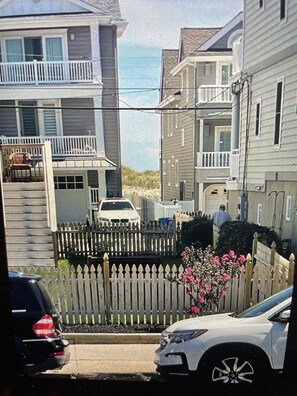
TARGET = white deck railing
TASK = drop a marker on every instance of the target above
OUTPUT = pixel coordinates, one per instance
(37, 72)
(214, 94)
(213, 159)
(62, 146)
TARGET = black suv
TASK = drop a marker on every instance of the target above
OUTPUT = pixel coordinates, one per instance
(37, 330)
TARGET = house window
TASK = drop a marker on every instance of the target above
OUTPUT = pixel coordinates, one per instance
(288, 208)
(176, 173)
(164, 168)
(261, 3)
(278, 112)
(39, 118)
(27, 49)
(187, 85)
(183, 137)
(168, 172)
(283, 9)
(258, 118)
(69, 182)
(259, 214)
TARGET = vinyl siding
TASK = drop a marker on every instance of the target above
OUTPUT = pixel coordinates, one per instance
(108, 48)
(273, 158)
(8, 124)
(78, 122)
(79, 48)
(172, 148)
(265, 35)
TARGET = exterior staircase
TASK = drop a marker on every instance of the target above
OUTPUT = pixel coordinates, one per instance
(28, 236)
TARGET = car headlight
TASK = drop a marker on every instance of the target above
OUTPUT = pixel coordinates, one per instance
(179, 336)
(103, 219)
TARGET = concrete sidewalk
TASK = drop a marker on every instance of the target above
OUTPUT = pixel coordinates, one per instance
(110, 353)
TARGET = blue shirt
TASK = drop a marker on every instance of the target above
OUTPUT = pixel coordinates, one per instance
(220, 217)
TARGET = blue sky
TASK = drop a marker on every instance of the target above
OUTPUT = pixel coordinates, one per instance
(155, 25)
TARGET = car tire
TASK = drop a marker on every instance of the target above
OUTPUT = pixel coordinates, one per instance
(232, 367)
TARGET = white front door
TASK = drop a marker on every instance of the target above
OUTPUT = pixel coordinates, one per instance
(214, 196)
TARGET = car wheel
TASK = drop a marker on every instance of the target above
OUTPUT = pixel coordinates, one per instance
(231, 368)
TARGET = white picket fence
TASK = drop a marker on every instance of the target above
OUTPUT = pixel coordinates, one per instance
(130, 294)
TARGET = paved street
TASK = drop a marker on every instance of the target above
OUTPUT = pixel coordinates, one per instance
(110, 358)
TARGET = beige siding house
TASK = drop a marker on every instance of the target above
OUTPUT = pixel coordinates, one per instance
(266, 183)
(195, 107)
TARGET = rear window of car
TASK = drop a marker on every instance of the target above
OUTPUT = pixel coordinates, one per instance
(29, 295)
(116, 206)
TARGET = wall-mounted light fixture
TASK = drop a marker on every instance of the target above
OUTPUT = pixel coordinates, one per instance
(72, 36)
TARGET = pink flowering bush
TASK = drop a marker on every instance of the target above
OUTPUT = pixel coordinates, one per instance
(206, 276)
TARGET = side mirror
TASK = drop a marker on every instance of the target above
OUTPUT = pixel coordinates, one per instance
(138, 208)
(285, 315)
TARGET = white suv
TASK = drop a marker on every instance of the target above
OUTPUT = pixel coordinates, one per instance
(117, 210)
(228, 348)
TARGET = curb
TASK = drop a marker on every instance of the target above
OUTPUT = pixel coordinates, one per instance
(112, 338)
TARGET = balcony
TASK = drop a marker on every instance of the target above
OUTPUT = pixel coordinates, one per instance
(38, 72)
(214, 94)
(61, 146)
(215, 159)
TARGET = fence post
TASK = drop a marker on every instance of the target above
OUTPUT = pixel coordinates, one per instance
(254, 247)
(248, 280)
(106, 277)
(291, 269)
(174, 235)
(55, 247)
(272, 253)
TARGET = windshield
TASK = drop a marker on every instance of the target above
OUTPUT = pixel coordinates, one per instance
(120, 205)
(266, 305)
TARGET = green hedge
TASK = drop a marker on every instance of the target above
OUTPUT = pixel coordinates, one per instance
(197, 232)
(238, 236)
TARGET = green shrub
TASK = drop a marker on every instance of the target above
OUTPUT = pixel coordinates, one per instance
(238, 236)
(64, 266)
(197, 232)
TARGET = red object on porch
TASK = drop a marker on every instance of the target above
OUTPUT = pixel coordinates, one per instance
(20, 166)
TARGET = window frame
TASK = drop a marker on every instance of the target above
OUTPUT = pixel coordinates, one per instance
(288, 207)
(43, 34)
(283, 10)
(68, 183)
(258, 118)
(259, 214)
(56, 103)
(278, 114)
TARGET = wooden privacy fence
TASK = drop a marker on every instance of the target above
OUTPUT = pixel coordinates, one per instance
(151, 238)
(126, 294)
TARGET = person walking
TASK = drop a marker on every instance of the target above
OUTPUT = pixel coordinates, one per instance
(219, 217)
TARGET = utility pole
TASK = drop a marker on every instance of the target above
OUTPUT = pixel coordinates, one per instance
(7, 347)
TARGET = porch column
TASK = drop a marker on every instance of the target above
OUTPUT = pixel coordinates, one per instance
(99, 127)
(201, 205)
(96, 58)
(102, 183)
(201, 134)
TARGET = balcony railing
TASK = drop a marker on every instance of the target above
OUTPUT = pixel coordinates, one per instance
(215, 159)
(38, 72)
(62, 146)
(214, 94)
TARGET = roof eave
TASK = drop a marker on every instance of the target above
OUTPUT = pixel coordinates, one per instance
(196, 59)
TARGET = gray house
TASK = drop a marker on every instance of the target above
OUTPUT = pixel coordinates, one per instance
(58, 71)
(266, 184)
(58, 74)
(196, 139)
